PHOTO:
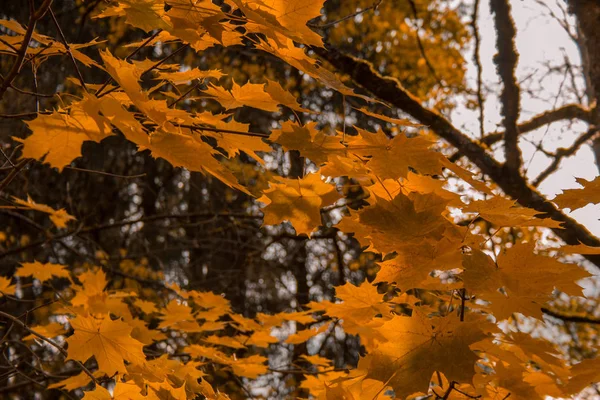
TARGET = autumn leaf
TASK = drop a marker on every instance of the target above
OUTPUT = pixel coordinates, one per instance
(143, 14)
(284, 16)
(395, 121)
(51, 330)
(60, 218)
(401, 221)
(504, 212)
(178, 316)
(417, 346)
(310, 142)
(73, 382)
(298, 201)
(57, 138)
(359, 304)
(43, 272)
(527, 279)
(393, 158)
(250, 367)
(108, 341)
(574, 199)
(6, 287)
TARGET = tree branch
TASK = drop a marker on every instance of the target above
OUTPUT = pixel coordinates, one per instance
(506, 64)
(16, 67)
(49, 341)
(390, 90)
(571, 318)
(568, 112)
(68, 49)
(562, 153)
(477, 61)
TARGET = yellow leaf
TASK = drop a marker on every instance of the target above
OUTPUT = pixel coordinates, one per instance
(250, 367)
(43, 272)
(303, 336)
(146, 306)
(577, 198)
(359, 304)
(99, 393)
(287, 17)
(235, 342)
(51, 330)
(312, 144)
(144, 14)
(504, 212)
(527, 279)
(298, 201)
(109, 342)
(261, 338)
(6, 287)
(251, 95)
(178, 316)
(418, 346)
(58, 217)
(395, 121)
(74, 382)
(401, 222)
(189, 151)
(392, 158)
(57, 137)
(181, 77)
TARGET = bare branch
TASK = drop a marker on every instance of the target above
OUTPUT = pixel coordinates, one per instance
(347, 17)
(571, 318)
(133, 53)
(506, 64)
(413, 8)
(562, 153)
(479, 67)
(49, 341)
(16, 67)
(568, 112)
(390, 90)
(68, 48)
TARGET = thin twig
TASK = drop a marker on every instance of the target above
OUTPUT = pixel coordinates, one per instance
(13, 173)
(109, 80)
(562, 153)
(49, 341)
(413, 8)
(347, 17)
(219, 130)
(177, 100)
(158, 64)
(106, 173)
(68, 48)
(16, 67)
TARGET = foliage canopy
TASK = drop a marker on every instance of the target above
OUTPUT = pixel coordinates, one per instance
(218, 201)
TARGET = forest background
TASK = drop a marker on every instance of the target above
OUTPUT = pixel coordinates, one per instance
(283, 199)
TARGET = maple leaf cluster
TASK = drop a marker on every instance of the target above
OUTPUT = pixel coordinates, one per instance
(449, 342)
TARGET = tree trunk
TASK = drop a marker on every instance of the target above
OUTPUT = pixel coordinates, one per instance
(587, 13)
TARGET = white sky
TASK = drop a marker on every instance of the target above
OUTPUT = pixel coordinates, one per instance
(540, 40)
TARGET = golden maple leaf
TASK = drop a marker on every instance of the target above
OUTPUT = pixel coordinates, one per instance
(359, 304)
(526, 279)
(108, 341)
(43, 272)
(6, 287)
(58, 217)
(577, 198)
(417, 346)
(298, 201)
